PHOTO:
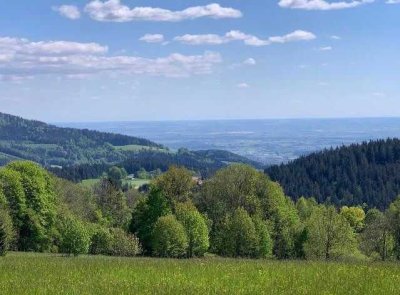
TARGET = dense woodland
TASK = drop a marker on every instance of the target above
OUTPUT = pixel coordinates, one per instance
(203, 163)
(238, 212)
(51, 145)
(358, 174)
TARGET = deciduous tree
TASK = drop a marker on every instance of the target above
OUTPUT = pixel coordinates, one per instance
(196, 228)
(330, 236)
(169, 238)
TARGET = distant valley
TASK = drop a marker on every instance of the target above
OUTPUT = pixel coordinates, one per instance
(267, 141)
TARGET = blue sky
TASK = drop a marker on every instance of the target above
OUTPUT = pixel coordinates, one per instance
(110, 60)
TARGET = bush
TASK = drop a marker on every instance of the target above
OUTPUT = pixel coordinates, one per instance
(74, 237)
(6, 231)
(101, 241)
(169, 238)
(123, 244)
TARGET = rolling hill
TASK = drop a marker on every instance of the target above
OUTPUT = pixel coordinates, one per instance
(83, 153)
(350, 175)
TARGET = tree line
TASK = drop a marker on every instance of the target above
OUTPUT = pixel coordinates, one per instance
(204, 163)
(238, 212)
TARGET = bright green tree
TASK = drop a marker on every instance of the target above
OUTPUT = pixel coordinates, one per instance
(265, 243)
(176, 184)
(196, 228)
(355, 216)
(242, 186)
(169, 238)
(282, 212)
(145, 215)
(30, 193)
(330, 236)
(305, 206)
(237, 236)
(14, 194)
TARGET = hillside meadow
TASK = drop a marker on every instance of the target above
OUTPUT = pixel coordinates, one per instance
(29, 273)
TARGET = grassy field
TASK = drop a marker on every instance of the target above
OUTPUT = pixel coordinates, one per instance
(134, 183)
(22, 273)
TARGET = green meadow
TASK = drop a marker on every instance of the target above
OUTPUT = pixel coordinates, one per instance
(28, 273)
(133, 183)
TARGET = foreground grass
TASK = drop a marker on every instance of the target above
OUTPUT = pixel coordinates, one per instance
(22, 273)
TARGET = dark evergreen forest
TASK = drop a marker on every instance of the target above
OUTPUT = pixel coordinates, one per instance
(350, 175)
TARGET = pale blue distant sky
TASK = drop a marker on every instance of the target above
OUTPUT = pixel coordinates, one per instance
(107, 60)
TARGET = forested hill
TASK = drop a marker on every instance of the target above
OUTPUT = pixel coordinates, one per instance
(86, 154)
(51, 145)
(356, 174)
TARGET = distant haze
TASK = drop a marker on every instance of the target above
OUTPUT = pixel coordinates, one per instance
(267, 141)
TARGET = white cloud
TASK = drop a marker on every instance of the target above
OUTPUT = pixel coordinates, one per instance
(115, 11)
(68, 11)
(298, 35)
(334, 37)
(23, 58)
(213, 39)
(250, 62)
(243, 85)
(152, 38)
(322, 4)
(12, 46)
(393, 2)
(325, 48)
(209, 39)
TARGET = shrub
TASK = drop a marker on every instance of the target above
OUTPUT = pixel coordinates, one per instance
(74, 237)
(123, 244)
(101, 241)
(169, 238)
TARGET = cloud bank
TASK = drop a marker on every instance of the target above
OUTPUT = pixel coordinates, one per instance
(21, 58)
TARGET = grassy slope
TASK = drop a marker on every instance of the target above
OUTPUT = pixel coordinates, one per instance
(50, 274)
